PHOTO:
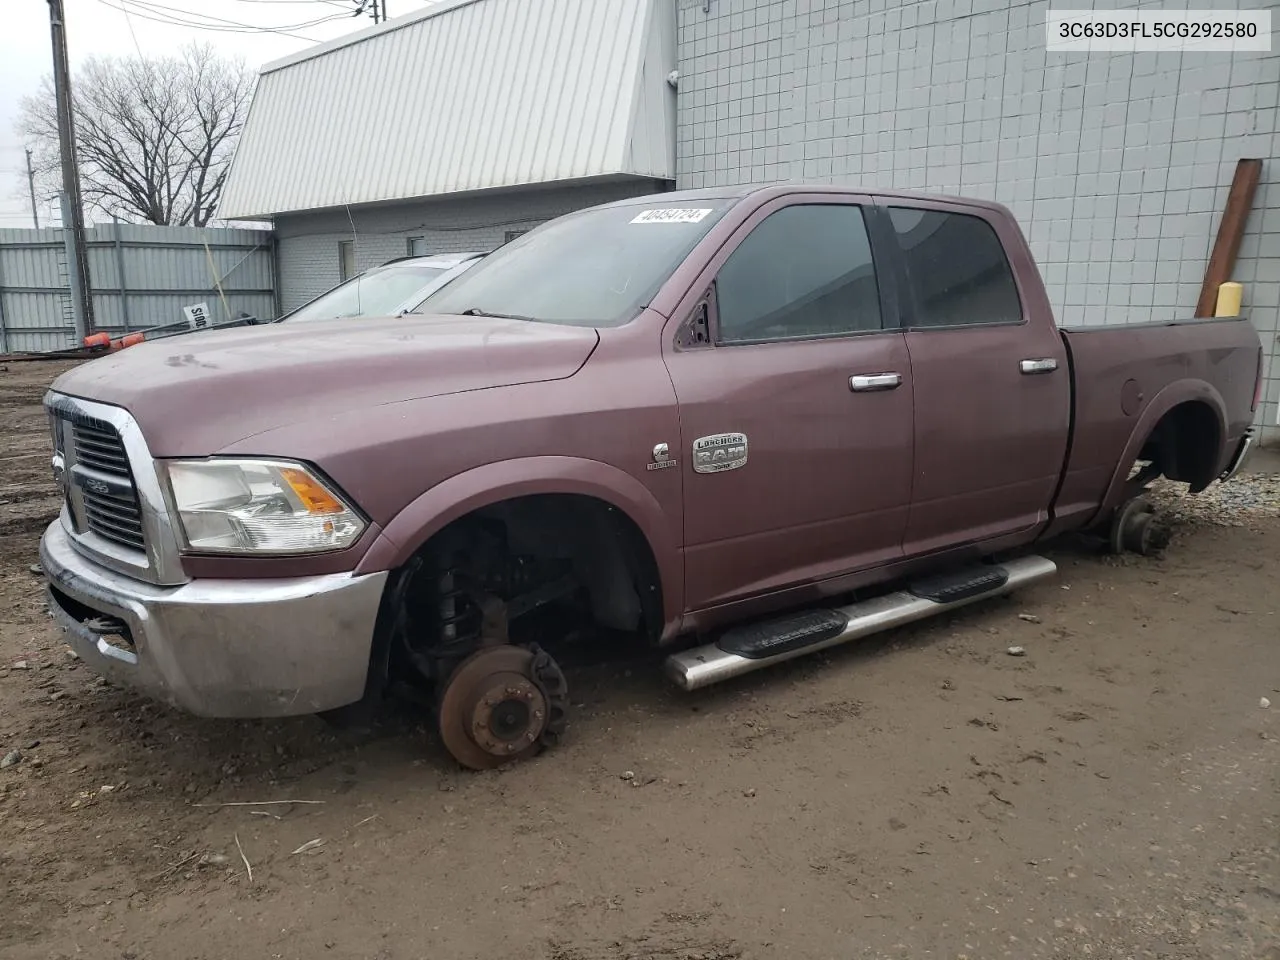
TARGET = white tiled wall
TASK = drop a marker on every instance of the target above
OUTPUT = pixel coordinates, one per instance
(1116, 164)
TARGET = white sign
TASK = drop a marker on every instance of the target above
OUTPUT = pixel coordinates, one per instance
(1158, 30)
(197, 315)
(670, 215)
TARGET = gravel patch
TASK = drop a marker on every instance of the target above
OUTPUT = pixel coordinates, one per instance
(1240, 502)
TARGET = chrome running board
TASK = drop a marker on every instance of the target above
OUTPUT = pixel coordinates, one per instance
(744, 649)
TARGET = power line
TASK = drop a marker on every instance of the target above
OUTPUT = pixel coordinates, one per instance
(344, 4)
(222, 23)
(353, 7)
(136, 46)
(229, 26)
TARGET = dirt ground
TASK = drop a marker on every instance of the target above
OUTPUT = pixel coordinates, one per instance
(1114, 793)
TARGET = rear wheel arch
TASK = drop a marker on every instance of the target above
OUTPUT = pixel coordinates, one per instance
(1182, 430)
(1187, 442)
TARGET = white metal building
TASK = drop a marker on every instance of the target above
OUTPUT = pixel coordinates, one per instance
(454, 128)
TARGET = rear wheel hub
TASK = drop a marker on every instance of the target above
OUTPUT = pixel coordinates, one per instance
(1136, 527)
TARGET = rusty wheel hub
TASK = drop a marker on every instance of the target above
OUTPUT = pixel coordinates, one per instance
(496, 708)
(1136, 527)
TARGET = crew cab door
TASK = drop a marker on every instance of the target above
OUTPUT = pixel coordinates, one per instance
(794, 389)
(992, 388)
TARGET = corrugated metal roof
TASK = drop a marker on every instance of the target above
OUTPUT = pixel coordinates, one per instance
(464, 95)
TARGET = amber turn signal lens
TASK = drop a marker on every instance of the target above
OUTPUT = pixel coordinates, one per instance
(313, 496)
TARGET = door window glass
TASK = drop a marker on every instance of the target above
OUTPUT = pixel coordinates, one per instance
(805, 271)
(957, 272)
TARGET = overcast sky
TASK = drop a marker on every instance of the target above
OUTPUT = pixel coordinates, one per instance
(101, 27)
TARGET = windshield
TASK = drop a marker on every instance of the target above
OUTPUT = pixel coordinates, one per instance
(596, 268)
(380, 292)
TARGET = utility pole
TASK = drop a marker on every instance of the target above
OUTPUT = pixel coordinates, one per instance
(72, 207)
(31, 186)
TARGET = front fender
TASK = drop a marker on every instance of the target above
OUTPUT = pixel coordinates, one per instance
(493, 483)
(1180, 391)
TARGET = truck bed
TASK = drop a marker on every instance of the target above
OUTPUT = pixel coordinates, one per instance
(1126, 376)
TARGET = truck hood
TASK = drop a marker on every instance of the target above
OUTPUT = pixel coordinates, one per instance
(196, 394)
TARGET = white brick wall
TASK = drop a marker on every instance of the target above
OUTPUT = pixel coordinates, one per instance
(308, 242)
(1117, 165)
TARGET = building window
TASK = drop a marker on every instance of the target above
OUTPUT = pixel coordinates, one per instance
(512, 234)
(346, 259)
(417, 246)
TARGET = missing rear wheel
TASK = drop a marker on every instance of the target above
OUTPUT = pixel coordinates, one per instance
(1136, 527)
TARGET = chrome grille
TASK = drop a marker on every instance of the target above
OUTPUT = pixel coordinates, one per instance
(98, 446)
(115, 512)
(117, 519)
(112, 511)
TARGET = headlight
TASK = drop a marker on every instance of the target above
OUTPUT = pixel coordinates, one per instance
(258, 506)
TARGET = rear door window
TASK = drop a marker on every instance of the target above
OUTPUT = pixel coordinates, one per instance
(803, 272)
(957, 271)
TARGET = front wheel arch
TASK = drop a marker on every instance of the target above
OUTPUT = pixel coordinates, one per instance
(486, 486)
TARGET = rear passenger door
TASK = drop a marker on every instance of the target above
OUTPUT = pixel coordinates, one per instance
(992, 388)
(795, 405)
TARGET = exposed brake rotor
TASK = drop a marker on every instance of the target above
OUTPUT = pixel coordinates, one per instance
(502, 703)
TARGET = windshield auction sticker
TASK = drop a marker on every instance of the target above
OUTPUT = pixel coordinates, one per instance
(670, 215)
(1159, 30)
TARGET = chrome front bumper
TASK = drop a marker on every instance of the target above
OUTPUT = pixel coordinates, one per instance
(219, 648)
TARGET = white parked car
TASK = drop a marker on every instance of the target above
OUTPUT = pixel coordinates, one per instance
(390, 290)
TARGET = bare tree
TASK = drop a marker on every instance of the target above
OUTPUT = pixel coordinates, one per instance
(154, 136)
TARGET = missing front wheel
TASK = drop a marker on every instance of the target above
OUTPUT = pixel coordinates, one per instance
(503, 703)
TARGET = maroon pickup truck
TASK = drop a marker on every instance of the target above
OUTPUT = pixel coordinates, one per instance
(746, 423)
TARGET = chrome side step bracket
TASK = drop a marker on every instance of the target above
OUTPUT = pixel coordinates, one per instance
(744, 649)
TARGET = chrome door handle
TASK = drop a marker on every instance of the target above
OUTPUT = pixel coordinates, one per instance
(866, 382)
(1043, 365)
